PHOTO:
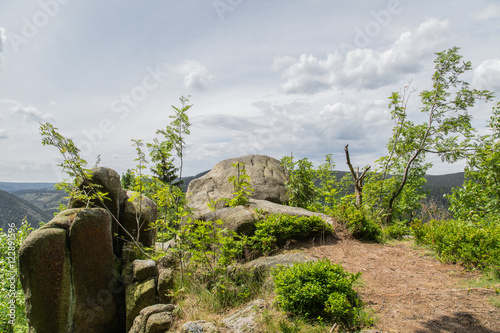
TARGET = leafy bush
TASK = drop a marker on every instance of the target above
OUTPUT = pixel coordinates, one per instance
(275, 229)
(300, 177)
(357, 222)
(319, 289)
(397, 231)
(456, 241)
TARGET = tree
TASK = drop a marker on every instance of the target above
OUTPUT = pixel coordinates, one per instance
(164, 168)
(356, 178)
(447, 131)
(177, 130)
(478, 200)
(300, 177)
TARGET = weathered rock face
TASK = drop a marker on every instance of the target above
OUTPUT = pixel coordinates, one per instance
(246, 319)
(68, 276)
(199, 326)
(45, 272)
(267, 180)
(138, 213)
(109, 180)
(128, 208)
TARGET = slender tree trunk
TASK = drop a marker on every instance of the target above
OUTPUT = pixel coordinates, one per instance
(356, 178)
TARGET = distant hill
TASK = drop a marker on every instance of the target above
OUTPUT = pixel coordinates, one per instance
(11, 187)
(47, 199)
(14, 209)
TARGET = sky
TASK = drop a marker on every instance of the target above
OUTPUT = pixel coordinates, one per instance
(265, 77)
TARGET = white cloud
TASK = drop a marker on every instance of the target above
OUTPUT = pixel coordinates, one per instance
(196, 75)
(363, 68)
(3, 135)
(491, 12)
(3, 38)
(29, 113)
(311, 129)
(487, 75)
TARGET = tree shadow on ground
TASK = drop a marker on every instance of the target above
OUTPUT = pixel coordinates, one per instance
(459, 322)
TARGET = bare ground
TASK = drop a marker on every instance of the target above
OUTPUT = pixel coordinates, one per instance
(408, 290)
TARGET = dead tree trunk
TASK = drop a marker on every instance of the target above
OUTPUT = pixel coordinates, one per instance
(356, 178)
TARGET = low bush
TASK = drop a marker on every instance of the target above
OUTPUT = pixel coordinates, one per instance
(397, 231)
(474, 246)
(358, 223)
(276, 229)
(319, 290)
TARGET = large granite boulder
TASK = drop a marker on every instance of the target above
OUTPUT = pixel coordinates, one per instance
(267, 180)
(68, 274)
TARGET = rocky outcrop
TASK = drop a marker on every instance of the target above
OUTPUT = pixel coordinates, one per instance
(68, 274)
(267, 180)
(70, 267)
(128, 209)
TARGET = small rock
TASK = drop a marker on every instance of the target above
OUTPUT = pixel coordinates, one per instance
(153, 319)
(244, 320)
(200, 326)
(144, 269)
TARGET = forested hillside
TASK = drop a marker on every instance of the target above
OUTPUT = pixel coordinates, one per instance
(47, 200)
(14, 209)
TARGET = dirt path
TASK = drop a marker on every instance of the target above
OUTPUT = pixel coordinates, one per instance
(410, 291)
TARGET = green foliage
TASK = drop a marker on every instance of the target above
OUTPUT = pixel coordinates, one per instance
(358, 222)
(458, 241)
(12, 306)
(328, 192)
(319, 290)
(447, 131)
(241, 185)
(276, 229)
(478, 200)
(300, 177)
(397, 230)
(79, 186)
(175, 133)
(164, 168)
(127, 180)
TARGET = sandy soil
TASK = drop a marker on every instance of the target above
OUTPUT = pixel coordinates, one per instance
(410, 291)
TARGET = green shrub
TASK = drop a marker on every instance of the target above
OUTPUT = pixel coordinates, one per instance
(359, 224)
(319, 290)
(397, 231)
(276, 229)
(472, 245)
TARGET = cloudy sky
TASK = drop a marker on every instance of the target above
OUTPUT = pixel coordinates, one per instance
(269, 77)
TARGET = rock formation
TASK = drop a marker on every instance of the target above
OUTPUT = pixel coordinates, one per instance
(69, 268)
(68, 274)
(267, 180)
